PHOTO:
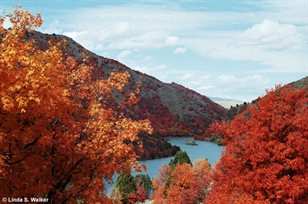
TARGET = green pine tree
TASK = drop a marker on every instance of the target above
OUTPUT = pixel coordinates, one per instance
(126, 185)
(180, 157)
(145, 182)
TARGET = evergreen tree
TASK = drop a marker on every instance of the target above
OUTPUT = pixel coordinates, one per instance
(145, 182)
(180, 157)
(125, 184)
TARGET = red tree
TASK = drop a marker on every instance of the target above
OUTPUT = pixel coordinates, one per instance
(58, 140)
(266, 157)
(187, 184)
(159, 184)
(139, 196)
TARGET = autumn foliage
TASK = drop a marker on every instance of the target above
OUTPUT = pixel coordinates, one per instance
(58, 139)
(266, 157)
(265, 160)
(61, 137)
(130, 189)
(187, 184)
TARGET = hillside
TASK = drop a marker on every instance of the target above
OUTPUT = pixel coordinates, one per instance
(173, 109)
(242, 109)
(300, 83)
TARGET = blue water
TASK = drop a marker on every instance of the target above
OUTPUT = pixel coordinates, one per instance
(208, 150)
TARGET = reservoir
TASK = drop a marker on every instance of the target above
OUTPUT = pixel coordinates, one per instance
(202, 149)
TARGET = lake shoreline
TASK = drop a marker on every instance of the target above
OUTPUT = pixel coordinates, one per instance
(208, 150)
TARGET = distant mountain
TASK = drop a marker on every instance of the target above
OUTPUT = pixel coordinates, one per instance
(173, 109)
(226, 102)
(222, 99)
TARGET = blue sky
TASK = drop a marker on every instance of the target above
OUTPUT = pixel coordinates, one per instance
(228, 49)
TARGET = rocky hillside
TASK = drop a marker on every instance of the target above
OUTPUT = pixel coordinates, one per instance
(300, 83)
(172, 109)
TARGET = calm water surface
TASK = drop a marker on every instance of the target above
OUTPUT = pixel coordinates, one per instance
(208, 150)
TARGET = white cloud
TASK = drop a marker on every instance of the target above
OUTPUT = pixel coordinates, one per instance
(74, 34)
(227, 79)
(171, 40)
(98, 36)
(128, 27)
(247, 81)
(123, 54)
(290, 12)
(206, 88)
(245, 88)
(158, 71)
(150, 39)
(179, 50)
(54, 27)
(83, 38)
(160, 67)
(271, 36)
(147, 58)
(276, 44)
(120, 28)
(99, 47)
(187, 76)
(278, 51)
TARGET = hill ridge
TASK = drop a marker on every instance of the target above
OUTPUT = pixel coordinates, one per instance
(172, 108)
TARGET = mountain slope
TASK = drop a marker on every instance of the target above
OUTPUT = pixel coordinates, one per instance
(300, 83)
(243, 109)
(172, 109)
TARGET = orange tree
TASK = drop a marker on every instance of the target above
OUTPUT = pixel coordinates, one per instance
(58, 140)
(266, 156)
(187, 184)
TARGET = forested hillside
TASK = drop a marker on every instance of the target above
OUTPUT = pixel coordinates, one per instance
(171, 108)
(70, 120)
